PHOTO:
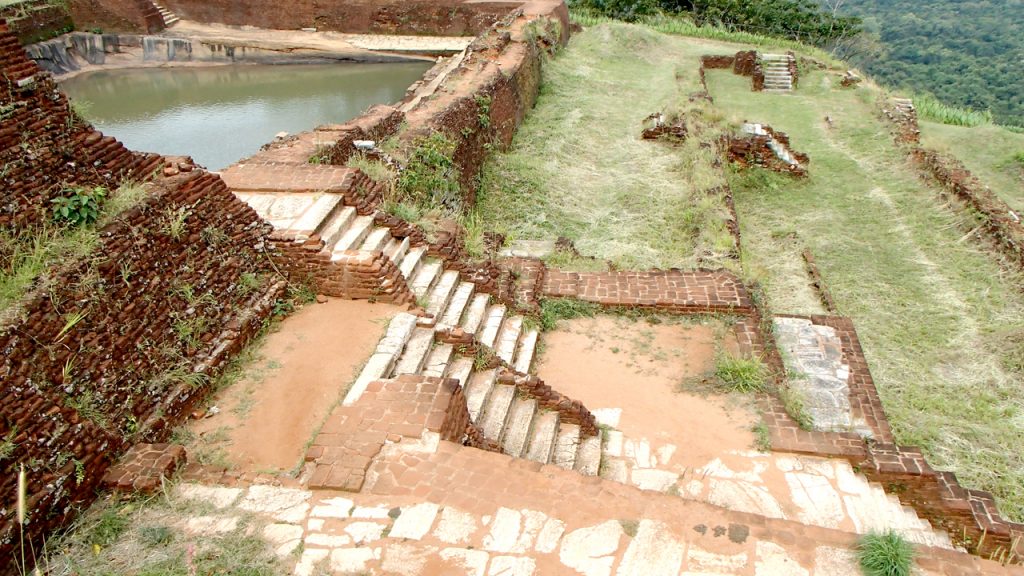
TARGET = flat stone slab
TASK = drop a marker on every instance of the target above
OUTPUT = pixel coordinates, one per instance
(813, 355)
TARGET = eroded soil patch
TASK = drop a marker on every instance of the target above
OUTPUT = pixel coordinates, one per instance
(299, 372)
(638, 367)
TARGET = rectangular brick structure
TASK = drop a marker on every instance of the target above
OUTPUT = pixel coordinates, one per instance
(403, 410)
(688, 292)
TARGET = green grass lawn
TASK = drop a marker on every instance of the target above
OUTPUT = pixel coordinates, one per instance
(578, 167)
(942, 325)
(994, 154)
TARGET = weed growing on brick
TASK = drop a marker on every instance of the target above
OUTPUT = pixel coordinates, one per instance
(885, 554)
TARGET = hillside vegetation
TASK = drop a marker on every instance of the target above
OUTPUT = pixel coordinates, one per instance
(966, 53)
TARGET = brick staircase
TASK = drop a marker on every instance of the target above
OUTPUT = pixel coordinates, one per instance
(170, 18)
(777, 74)
(515, 421)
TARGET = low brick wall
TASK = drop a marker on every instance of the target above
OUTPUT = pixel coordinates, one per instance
(396, 413)
(674, 291)
(1000, 223)
(969, 516)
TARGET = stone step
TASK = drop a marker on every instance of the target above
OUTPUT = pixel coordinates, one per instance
(474, 317)
(615, 469)
(542, 441)
(613, 442)
(453, 313)
(437, 364)
(354, 236)
(461, 369)
(411, 262)
(396, 249)
(588, 459)
(492, 325)
(567, 445)
(478, 391)
(384, 357)
(496, 413)
(517, 431)
(377, 239)
(439, 297)
(425, 278)
(168, 22)
(336, 225)
(508, 337)
(524, 353)
(416, 351)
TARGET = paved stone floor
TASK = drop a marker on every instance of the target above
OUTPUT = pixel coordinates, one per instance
(814, 363)
(460, 510)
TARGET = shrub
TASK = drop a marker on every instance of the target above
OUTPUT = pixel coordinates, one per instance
(741, 374)
(431, 177)
(885, 554)
(78, 206)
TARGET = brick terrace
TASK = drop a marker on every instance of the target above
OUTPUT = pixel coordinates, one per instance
(672, 290)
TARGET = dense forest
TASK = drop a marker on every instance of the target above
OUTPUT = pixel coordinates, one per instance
(967, 53)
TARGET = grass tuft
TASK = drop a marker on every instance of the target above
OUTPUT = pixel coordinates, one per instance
(741, 374)
(885, 554)
(554, 309)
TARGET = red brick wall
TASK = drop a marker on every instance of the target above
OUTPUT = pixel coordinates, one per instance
(125, 16)
(74, 393)
(37, 20)
(429, 17)
(43, 148)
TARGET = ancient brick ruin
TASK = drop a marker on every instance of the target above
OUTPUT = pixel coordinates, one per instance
(461, 353)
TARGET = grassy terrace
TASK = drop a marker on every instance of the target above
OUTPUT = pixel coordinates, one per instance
(578, 167)
(942, 325)
(994, 154)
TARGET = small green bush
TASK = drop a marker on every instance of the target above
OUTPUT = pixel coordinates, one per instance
(1019, 157)
(741, 374)
(431, 177)
(78, 206)
(885, 554)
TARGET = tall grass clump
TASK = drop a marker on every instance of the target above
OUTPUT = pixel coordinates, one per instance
(930, 108)
(741, 374)
(885, 554)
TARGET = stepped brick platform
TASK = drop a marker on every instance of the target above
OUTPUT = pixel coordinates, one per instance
(407, 410)
(251, 177)
(672, 290)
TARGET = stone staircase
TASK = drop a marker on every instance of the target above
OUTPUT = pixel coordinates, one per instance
(510, 418)
(778, 148)
(777, 75)
(637, 462)
(170, 18)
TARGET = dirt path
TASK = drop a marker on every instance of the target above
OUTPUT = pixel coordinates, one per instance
(610, 363)
(302, 369)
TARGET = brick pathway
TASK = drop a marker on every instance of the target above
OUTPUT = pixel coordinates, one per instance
(671, 290)
(287, 178)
